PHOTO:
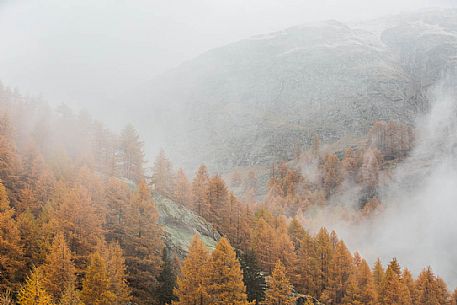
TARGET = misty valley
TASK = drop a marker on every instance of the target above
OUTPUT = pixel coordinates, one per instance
(314, 165)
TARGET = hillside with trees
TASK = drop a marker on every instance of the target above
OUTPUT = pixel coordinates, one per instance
(79, 223)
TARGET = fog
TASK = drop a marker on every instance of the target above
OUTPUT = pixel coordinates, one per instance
(88, 53)
(417, 225)
(95, 54)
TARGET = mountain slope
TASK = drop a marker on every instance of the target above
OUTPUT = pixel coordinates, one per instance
(252, 101)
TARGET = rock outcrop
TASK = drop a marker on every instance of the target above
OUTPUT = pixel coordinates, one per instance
(181, 224)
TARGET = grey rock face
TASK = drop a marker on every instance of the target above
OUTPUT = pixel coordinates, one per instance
(181, 224)
(251, 101)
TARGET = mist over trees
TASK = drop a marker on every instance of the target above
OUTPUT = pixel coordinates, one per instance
(78, 223)
(314, 165)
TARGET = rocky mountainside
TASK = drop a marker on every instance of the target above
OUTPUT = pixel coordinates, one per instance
(181, 224)
(253, 101)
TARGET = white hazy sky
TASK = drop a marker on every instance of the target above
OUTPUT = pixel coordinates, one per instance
(84, 51)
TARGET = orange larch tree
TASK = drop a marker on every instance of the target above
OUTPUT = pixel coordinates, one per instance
(225, 280)
(192, 282)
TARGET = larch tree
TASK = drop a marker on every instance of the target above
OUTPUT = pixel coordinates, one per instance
(192, 282)
(225, 280)
(9, 162)
(34, 239)
(408, 281)
(218, 201)
(331, 174)
(162, 175)
(6, 298)
(116, 200)
(340, 269)
(33, 292)
(296, 232)
(350, 164)
(393, 289)
(369, 172)
(117, 274)
(443, 293)
(428, 290)
(96, 285)
(284, 251)
(58, 269)
(10, 244)
(279, 290)
(307, 268)
(131, 154)
(200, 189)
(143, 246)
(454, 297)
(73, 213)
(361, 288)
(71, 296)
(378, 276)
(323, 256)
(263, 240)
(367, 287)
(183, 190)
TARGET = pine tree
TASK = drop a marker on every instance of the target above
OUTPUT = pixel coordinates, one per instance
(191, 284)
(167, 277)
(33, 292)
(58, 269)
(10, 244)
(225, 279)
(279, 290)
(253, 277)
(96, 284)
